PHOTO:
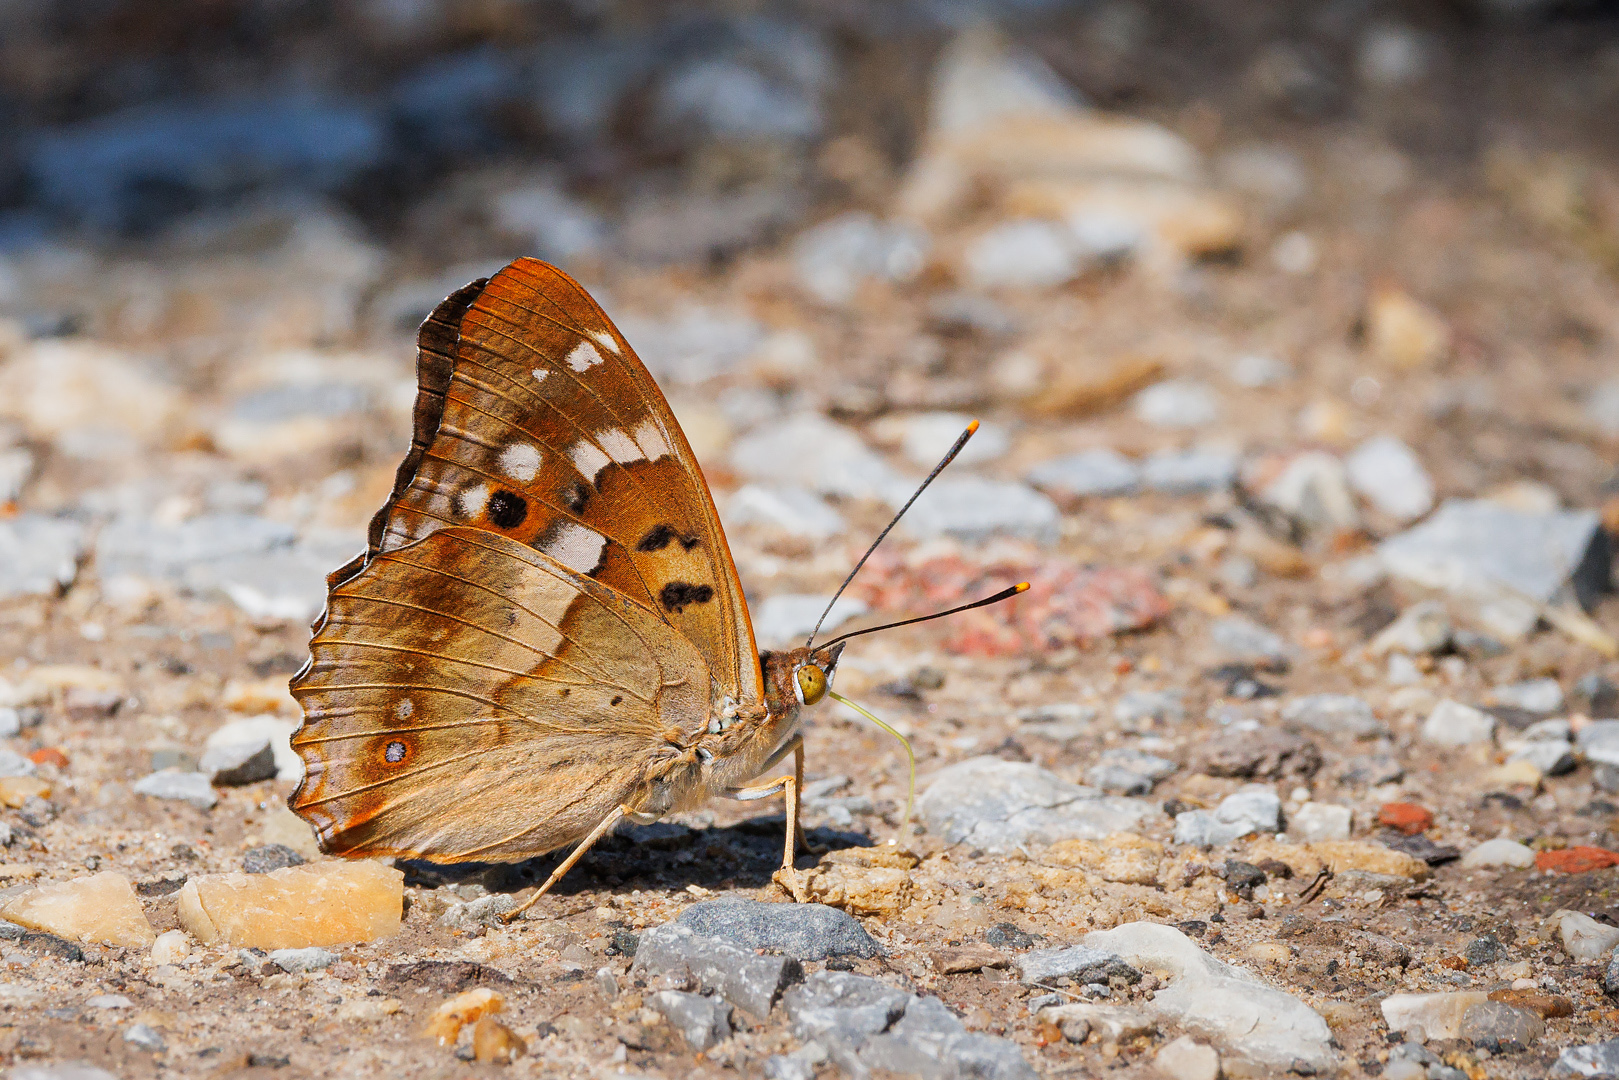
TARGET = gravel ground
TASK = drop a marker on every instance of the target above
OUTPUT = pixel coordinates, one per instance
(1301, 414)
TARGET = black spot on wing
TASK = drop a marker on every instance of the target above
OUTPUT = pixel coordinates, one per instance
(507, 509)
(661, 535)
(677, 594)
(575, 497)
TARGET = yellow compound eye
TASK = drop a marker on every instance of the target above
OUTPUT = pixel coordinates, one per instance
(811, 683)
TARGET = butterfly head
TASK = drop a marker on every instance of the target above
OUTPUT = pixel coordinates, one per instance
(812, 675)
(799, 677)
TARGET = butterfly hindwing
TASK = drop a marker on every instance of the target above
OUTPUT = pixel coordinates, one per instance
(471, 699)
(552, 432)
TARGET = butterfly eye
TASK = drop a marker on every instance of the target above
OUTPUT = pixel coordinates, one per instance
(811, 684)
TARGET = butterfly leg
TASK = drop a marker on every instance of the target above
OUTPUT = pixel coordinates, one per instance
(619, 814)
(789, 786)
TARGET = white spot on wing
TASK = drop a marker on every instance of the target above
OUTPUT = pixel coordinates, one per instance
(619, 446)
(576, 547)
(588, 458)
(584, 356)
(605, 340)
(403, 710)
(651, 440)
(520, 461)
(539, 374)
(470, 500)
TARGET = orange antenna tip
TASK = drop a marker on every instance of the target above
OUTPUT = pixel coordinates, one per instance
(1023, 586)
(972, 427)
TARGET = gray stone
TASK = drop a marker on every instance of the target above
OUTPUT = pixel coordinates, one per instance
(1128, 772)
(1062, 720)
(1320, 821)
(1022, 255)
(67, 1070)
(108, 1001)
(16, 468)
(1091, 472)
(974, 508)
(1602, 406)
(1244, 1018)
(1113, 1023)
(237, 741)
(1421, 628)
(1453, 724)
(1079, 963)
(267, 857)
(1610, 977)
(1499, 852)
(785, 620)
(1116, 780)
(1140, 762)
(867, 1024)
(1550, 757)
(299, 961)
(1475, 548)
(239, 763)
(1385, 472)
(702, 1021)
(1254, 371)
(1260, 752)
(802, 931)
(1371, 770)
(1137, 706)
(798, 1065)
(1314, 490)
(39, 556)
(1189, 472)
(997, 805)
(810, 451)
(145, 1037)
(981, 81)
(555, 226)
(187, 787)
(1558, 730)
(843, 1007)
(748, 980)
(14, 764)
(150, 549)
(1244, 639)
(1542, 696)
(1255, 808)
(835, 258)
(793, 510)
(924, 438)
(480, 912)
(1593, 1061)
(695, 346)
(1598, 742)
(1177, 403)
(1333, 714)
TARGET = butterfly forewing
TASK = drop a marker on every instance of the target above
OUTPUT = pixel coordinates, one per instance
(553, 433)
(469, 698)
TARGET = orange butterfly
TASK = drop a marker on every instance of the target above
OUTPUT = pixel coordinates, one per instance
(545, 635)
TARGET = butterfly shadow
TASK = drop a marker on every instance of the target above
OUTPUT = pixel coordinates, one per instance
(664, 855)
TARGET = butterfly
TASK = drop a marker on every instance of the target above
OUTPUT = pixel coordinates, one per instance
(545, 635)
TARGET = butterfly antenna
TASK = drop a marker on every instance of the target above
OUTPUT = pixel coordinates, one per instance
(1004, 594)
(937, 469)
(910, 796)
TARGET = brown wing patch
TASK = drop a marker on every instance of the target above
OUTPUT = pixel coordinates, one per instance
(470, 698)
(551, 432)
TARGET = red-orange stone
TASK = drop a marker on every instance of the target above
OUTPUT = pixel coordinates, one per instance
(1576, 860)
(49, 755)
(1409, 818)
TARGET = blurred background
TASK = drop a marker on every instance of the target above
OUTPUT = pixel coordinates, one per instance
(1304, 271)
